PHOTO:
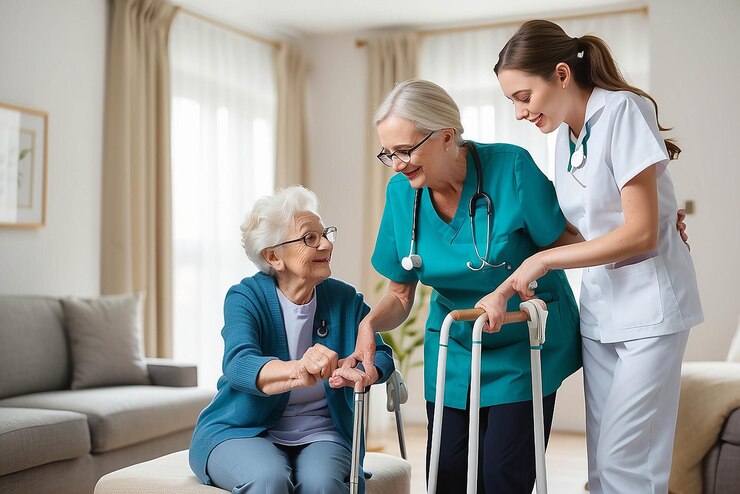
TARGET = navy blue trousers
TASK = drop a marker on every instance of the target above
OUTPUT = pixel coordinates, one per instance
(506, 462)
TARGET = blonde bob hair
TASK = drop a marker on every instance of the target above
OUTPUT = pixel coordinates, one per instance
(425, 104)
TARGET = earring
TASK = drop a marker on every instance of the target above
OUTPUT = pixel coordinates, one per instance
(563, 86)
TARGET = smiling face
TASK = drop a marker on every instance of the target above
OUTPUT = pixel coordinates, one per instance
(543, 103)
(296, 262)
(398, 133)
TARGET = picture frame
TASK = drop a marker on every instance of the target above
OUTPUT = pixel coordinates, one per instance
(23, 166)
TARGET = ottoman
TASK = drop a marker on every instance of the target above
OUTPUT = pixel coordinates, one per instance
(171, 474)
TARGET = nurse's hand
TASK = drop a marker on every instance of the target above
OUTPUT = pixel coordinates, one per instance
(532, 269)
(495, 306)
(349, 376)
(681, 226)
(364, 352)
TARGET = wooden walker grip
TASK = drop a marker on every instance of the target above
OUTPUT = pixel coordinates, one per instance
(473, 314)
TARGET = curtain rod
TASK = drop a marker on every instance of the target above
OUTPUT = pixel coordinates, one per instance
(477, 27)
(275, 44)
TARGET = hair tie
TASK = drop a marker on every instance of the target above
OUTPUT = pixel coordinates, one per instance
(580, 54)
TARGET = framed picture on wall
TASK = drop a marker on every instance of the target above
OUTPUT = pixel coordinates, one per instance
(23, 145)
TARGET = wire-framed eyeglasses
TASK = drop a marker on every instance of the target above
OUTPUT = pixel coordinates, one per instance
(402, 154)
(313, 239)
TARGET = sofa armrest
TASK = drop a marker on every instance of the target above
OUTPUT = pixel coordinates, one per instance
(166, 372)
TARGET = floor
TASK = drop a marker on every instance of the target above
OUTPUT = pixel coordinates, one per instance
(566, 459)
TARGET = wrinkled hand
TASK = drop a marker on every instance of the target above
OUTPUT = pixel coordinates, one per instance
(350, 375)
(365, 353)
(681, 226)
(530, 270)
(317, 364)
(495, 306)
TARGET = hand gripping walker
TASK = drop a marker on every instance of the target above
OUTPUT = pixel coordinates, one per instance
(535, 313)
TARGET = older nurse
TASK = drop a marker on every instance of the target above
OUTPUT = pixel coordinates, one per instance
(281, 420)
(460, 216)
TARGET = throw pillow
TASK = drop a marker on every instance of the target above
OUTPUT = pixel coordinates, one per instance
(104, 340)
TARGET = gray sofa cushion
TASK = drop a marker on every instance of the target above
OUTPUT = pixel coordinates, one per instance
(104, 340)
(30, 437)
(34, 354)
(125, 415)
(731, 431)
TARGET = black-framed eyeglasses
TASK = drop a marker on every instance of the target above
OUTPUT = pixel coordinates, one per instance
(402, 154)
(313, 239)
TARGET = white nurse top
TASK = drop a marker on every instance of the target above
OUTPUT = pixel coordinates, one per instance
(656, 293)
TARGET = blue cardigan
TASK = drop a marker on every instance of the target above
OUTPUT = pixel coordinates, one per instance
(254, 334)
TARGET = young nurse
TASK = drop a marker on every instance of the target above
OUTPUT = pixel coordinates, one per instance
(639, 295)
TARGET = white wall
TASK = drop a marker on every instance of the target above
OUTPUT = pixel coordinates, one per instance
(337, 122)
(53, 59)
(695, 75)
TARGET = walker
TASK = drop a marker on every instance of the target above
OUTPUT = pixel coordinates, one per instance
(397, 393)
(535, 313)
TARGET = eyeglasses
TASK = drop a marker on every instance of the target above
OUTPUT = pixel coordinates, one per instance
(313, 239)
(402, 154)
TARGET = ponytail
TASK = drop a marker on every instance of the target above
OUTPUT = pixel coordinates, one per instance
(538, 46)
(602, 71)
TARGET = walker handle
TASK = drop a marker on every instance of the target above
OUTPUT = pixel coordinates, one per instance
(473, 314)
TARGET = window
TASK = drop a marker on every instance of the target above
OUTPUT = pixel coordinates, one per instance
(223, 141)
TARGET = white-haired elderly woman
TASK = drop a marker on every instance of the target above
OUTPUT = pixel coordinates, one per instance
(281, 420)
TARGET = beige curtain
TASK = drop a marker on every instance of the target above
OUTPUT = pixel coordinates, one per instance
(291, 152)
(136, 244)
(391, 59)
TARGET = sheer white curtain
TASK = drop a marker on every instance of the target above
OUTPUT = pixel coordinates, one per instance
(462, 63)
(223, 140)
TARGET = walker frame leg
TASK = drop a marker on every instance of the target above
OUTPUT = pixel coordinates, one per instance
(535, 313)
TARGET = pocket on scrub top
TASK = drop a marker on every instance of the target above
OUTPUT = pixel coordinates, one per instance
(636, 294)
(500, 252)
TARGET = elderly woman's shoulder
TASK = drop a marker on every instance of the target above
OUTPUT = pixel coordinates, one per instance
(337, 287)
(250, 286)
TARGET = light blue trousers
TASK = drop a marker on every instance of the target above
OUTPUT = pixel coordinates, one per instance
(257, 466)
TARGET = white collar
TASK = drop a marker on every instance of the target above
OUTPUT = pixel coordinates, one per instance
(595, 103)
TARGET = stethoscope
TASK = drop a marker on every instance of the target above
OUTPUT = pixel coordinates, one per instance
(578, 155)
(413, 260)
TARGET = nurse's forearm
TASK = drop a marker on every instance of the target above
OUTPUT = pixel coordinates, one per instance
(392, 309)
(620, 244)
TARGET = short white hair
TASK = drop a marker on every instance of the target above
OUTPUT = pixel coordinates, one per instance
(269, 221)
(424, 103)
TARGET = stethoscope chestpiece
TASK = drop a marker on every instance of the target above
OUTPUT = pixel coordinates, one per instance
(412, 261)
(322, 330)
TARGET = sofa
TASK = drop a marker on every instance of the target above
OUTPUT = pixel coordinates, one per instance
(706, 453)
(78, 400)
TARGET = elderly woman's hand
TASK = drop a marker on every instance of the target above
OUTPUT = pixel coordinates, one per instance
(317, 364)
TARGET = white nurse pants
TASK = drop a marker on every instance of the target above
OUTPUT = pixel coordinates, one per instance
(632, 390)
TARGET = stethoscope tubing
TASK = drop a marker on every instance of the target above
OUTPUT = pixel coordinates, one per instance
(479, 195)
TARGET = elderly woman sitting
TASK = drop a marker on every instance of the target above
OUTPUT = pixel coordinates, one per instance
(281, 420)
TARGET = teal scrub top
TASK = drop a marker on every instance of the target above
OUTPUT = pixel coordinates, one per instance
(525, 217)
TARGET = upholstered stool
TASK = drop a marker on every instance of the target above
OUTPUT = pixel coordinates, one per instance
(171, 474)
